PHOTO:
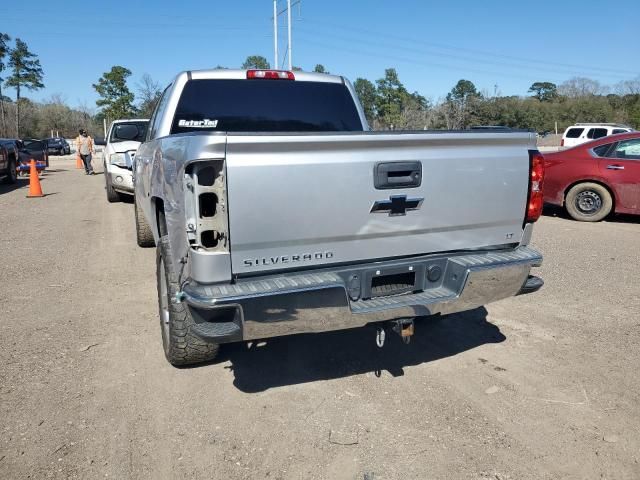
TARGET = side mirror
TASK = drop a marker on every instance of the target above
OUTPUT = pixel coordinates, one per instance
(100, 141)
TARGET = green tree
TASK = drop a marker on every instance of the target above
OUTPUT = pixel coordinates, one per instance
(4, 49)
(544, 91)
(390, 98)
(463, 90)
(26, 72)
(319, 68)
(116, 100)
(396, 108)
(460, 102)
(367, 94)
(256, 62)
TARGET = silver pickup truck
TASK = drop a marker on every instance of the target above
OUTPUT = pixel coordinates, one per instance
(275, 211)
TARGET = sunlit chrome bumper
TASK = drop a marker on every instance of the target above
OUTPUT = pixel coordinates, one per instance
(321, 300)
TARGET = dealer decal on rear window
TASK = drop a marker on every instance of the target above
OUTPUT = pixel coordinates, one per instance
(206, 123)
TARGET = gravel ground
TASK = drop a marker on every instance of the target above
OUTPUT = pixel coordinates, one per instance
(542, 386)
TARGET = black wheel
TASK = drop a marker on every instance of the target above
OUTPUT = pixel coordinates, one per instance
(12, 172)
(588, 202)
(112, 195)
(144, 235)
(181, 347)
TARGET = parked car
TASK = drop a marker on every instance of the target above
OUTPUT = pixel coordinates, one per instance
(121, 144)
(276, 212)
(596, 178)
(8, 160)
(31, 148)
(58, 145)
(585, 132)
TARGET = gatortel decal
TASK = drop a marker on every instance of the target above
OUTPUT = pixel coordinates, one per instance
(206, 123)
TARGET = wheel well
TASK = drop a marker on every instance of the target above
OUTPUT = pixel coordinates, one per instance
(602, 184)
(161, 222)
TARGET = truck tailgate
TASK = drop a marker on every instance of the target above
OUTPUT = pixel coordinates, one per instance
(296, 201)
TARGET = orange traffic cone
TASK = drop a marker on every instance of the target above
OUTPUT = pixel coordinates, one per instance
(79, 163)
(35, 190)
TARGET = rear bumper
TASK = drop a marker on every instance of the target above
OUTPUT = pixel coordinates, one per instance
(324, 300)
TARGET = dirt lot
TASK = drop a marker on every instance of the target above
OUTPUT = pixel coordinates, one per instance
(543, 386)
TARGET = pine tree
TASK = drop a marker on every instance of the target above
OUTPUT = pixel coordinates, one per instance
(26, 73)
(4, 49)
(116, 99)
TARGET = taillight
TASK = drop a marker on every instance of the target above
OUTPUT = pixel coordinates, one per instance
(535, 201)
(205, 206)
(562, 142)
(271, 74)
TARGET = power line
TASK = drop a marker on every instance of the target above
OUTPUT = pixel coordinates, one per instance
(412, 61)
(379, 34)
(467, 60)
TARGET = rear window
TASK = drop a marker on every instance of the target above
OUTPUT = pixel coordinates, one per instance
(265, 106)
(597, 133)
(619, 130)
(574, 132)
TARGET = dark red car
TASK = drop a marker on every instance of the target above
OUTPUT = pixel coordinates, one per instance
(596, 178)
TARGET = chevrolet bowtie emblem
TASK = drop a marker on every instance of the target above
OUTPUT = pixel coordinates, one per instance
(396, 205)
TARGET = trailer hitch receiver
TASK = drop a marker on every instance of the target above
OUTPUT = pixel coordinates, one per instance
(404, 328)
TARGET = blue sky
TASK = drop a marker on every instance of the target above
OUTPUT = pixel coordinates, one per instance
(431, 44)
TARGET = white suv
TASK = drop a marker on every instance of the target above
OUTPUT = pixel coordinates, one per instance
(585, 132)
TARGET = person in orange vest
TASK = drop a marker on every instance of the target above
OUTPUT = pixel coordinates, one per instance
(84, 146)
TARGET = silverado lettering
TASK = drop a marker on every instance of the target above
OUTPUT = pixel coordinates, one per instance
(288, 259)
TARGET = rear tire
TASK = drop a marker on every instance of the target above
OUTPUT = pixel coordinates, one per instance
(12, 172)
(144, 234)
(112, 195)
(180, 346)
(588, 202)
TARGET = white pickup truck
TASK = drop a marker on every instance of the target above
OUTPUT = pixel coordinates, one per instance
(120, 146)
(275, 211)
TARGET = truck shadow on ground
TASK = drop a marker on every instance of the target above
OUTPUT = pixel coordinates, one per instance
(292, 360)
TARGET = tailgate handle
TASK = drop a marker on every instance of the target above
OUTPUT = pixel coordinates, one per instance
(397, 175)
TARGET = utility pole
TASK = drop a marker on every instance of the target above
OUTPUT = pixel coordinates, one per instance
(289, 28)
(276, 14)
(275, 33)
